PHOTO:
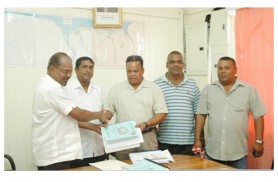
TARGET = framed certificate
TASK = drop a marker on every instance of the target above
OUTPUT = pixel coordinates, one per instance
(107, 17)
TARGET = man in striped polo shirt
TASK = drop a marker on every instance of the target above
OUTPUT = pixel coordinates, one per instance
(182, 95)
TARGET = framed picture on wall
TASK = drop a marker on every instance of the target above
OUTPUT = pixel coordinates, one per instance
(107, 17)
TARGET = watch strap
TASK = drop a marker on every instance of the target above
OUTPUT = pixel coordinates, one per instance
(259, 141)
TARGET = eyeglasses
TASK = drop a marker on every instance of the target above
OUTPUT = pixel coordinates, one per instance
(66, 72)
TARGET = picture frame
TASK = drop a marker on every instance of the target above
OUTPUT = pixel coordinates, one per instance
(107, 17)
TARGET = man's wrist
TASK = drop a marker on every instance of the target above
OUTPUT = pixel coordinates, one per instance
(146, 124)
(200, 138)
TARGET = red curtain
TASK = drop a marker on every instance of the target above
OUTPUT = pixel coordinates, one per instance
(254, 30)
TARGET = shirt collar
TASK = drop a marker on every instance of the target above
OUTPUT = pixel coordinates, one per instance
(165, 79)
(144, 84)
(76, 84)
(237, 83)
(48, 77)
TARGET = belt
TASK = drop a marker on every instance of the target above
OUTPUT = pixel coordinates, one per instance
(149, 130)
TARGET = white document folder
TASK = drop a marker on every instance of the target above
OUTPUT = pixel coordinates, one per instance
(121, 136)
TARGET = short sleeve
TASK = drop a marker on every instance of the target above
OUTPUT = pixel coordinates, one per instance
(257, 107)
(60, 99)
(203, 102)
(159, 104)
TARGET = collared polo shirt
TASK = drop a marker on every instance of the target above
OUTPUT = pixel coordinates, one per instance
(55, 135)
(227, 118)
(139, 104)
(182, 102)
(92, 144)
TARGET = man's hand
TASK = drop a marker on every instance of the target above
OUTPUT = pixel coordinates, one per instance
(198, 143)
(142, 126)
(91, 126)
(97, 128)
(105, 117)
(257, 150)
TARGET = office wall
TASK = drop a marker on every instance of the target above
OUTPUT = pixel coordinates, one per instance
(163, 32)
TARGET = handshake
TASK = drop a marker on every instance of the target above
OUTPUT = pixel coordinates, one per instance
(105, 116)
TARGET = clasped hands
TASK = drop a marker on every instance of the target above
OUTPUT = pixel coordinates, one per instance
(105, 116)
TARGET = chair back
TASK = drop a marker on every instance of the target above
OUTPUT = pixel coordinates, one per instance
(11, 161)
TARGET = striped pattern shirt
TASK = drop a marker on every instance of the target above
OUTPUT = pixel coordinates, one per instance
(182, 102)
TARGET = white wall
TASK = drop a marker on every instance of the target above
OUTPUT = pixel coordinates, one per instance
(163, 33)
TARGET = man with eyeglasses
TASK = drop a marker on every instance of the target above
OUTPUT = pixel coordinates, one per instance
(55, 133)
(88, 95)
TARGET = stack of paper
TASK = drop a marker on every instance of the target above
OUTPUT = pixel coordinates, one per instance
(121, 136)
(155, 155)
(110, 165)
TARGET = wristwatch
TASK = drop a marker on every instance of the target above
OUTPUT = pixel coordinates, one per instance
(260, 141)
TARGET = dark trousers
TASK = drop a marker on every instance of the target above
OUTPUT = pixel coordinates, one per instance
(176, 149)
(56, 166)
(86, 161)
(239, 164)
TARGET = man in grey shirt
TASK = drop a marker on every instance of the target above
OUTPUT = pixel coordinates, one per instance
(226, 104)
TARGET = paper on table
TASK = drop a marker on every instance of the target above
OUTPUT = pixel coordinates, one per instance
(155, 155)
(146, 165)
(110, 165)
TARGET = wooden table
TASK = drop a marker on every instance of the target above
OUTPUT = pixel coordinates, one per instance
(182, 162)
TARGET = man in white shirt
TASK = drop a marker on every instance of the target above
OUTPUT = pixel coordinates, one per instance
(55, 133)
(87, 95)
